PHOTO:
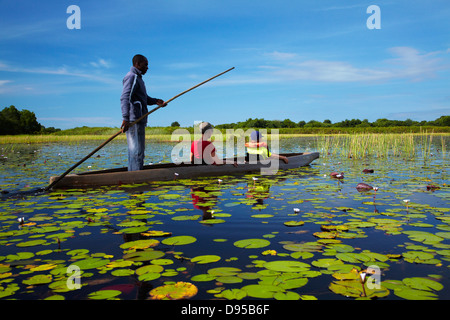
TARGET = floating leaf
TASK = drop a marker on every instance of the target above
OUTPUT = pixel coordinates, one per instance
(155, 233)
(139, 244)
(352, 257)
(224, 271)
(203, 277)
(294, 223)
(232, 294)
(252, 243)
(177, 291)
(262, 215)
(151, 268)
(354, 288)
(205, 259)
(287, 266)
(91, 263)
(423, 284)
(38, 279)
(306, 247)
(144, 255)
(325, 263)
(179, 240)
(413, 294)
(31, 243)
(212, 221)
(262, 291)
(104, 294)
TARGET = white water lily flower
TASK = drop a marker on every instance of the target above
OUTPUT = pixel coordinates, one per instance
(296, 210)
(406, 201)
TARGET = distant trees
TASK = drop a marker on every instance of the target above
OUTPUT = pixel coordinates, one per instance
(13, 121)
(287, 123)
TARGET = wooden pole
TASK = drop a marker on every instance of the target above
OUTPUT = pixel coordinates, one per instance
(130, 125)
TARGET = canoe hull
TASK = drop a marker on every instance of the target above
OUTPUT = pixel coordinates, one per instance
(164, 172)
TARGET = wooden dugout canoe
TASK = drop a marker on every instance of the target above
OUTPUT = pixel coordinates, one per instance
(170, 171)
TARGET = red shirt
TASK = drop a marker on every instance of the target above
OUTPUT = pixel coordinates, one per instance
(198, 149)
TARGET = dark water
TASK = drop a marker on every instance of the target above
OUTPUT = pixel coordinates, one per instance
(98, 222)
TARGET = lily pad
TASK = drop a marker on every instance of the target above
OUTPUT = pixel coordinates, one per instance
(252, 243)
(38, 279)
(144, 255)
(104, 294)
(179, 240)
(423, 284)
(205, 259)
(139, 244)
(354, 288)
(31, 243)
(294, 223)
(262, 291)
(413, 294)
(91, 263)
(177, 291)
(287, 266)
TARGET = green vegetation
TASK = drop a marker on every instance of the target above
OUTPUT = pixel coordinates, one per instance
(443, 121)
(13, 121)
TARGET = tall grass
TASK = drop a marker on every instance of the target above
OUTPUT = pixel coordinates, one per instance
(358, 146)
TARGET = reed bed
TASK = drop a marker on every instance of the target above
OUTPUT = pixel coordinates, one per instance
(358, 146)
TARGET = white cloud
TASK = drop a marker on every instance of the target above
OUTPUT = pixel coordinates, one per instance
(407, 63)
(101, 63)
(61, 71)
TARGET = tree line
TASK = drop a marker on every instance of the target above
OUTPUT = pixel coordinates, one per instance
(13, 121)
(354, 123)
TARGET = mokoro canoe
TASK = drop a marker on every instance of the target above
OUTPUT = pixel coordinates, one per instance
(170, 171)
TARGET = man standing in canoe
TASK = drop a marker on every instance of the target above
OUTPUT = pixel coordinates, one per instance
(134, 101)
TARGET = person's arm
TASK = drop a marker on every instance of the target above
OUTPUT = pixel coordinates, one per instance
(151, 101)
(125, 102)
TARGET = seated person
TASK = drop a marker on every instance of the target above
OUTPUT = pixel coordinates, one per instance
(203, 151)
(261, 149)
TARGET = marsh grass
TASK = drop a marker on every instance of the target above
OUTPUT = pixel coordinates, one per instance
(359, 146)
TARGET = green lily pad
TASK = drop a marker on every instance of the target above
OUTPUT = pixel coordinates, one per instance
(104, 294)
(212, 221)
(31, 243)
(423, 284)
(203, 277)
(144, 255)
(262, 215)
(424, 237)
(325, 263)
(417, 256)
(186, 218)
(287, 266)
(354, 288)
(262, 291)
(205, 259)
(224, 271)
(177, 291)
(38, 279)
(352, 257)
(294, 224)
(179, 240)
(139, 244)
(91, 263)
(252, 243)
(304, 247)
(134, 229)
(414, 294)
(232, 294)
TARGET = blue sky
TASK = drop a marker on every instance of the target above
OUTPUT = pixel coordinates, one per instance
(302, 60)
